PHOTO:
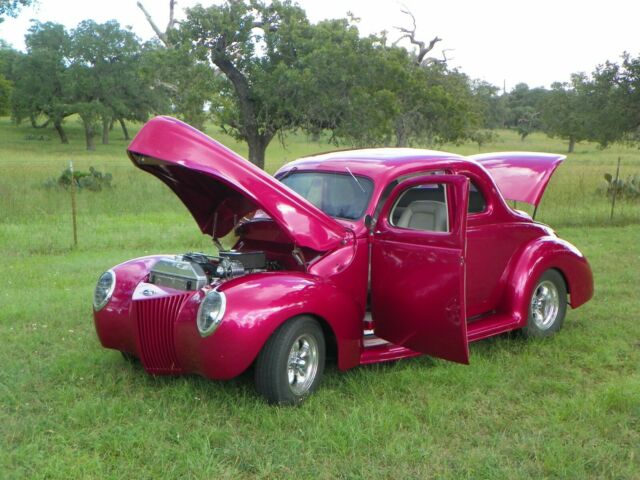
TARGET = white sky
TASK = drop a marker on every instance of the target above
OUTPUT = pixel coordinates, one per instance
(512, 41)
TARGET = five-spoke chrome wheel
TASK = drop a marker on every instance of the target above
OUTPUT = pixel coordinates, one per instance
(547, 306)
(545, 303)
(302, 363)
(291, 363)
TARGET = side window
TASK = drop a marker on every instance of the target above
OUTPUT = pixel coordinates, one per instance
(477, 203)
(422, 207)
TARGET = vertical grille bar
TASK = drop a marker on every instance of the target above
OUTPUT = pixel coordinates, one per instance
(155, 319)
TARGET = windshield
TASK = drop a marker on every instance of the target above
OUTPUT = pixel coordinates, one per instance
(340, 195)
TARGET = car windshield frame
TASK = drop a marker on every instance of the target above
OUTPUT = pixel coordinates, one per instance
(360, 182)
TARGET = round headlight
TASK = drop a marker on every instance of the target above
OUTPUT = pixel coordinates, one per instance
(211, 312)
(104, 290)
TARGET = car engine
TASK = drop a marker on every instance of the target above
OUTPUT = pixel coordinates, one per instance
(192, 271)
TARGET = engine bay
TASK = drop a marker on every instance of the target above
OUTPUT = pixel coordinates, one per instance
(192, 271)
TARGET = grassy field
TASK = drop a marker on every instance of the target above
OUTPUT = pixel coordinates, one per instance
(565, 407)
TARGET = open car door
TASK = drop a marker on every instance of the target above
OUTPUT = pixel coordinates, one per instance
(417, 267)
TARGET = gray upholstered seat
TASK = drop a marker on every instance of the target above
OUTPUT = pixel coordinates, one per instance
(425, 215)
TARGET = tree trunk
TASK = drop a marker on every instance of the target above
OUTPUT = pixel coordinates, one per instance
(248, 121)
(106, 121)
(572, 144)
(89, 133)
(57, 124)
(401, 137)
(257, 151)
(125, 132)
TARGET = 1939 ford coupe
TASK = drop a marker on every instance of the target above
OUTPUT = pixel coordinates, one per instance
(364, 256)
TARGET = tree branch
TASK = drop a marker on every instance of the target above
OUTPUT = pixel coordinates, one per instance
(410, 34)
(161, 35)
(172, 20)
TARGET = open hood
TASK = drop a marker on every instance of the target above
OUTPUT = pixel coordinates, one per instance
(520, 176)
(219, 187)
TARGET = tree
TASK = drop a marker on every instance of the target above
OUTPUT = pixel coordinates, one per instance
(489, 104)
(253, 44)
(5, 96)
(523, 109)
(613, 99)
(186, 84)
(182, 86)
(104, 78)
(281, 73)
(40, 83)
(563, 112)
(7, 59)
(10, 8)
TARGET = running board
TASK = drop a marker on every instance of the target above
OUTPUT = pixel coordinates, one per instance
(490, 326)
(378, 350)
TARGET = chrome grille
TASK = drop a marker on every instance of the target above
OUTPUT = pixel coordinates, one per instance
(155, 319)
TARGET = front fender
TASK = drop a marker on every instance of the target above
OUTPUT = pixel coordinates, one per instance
(256, 306)
(113, 325)
(534, 259)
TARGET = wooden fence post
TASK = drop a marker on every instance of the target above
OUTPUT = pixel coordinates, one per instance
(73, 205)
(615, 190)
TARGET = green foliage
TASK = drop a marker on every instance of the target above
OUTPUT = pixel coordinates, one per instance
(628, 188)
(8, 56)
(524, 105)
(93, 180)
(10, 8)
(490, 105)
(181, 86)
(93, 71)
(564, 111)
(613, 95)
(484, 137)
(41, 86)
(281, 73)
(253, 45)
(5, 96)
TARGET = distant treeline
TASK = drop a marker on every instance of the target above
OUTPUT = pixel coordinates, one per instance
(259, 71)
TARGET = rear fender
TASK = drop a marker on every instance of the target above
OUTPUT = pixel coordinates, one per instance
(256, 305)
(538, 256)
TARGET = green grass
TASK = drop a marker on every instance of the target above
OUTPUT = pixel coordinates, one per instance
(564, 407)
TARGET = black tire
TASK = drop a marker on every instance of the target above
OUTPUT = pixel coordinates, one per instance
(278, 380)
(547, 305)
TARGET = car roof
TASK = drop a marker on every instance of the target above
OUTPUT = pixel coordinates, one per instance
(378, 163)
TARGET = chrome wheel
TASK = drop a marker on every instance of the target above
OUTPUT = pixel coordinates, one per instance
(545, 304)
(291, 363)
(302, 364)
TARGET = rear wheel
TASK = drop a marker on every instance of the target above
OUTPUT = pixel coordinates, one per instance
(291, 363)
(547, 305)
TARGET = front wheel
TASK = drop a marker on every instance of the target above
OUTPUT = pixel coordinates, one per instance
(291, 363)
(547, 305)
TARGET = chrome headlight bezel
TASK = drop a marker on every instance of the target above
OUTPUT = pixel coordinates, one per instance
(211, 312)
(97, 306)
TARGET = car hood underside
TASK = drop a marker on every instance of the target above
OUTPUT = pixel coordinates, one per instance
(220, 187)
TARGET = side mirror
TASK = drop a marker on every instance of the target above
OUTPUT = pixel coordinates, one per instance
(368, 221)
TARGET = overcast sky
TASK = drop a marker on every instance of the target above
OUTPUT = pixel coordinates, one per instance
(511, 41)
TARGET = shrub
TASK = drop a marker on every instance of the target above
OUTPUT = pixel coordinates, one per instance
(93, 180)
(629, 188)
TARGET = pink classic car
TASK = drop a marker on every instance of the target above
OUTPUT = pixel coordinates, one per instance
(361, 256)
